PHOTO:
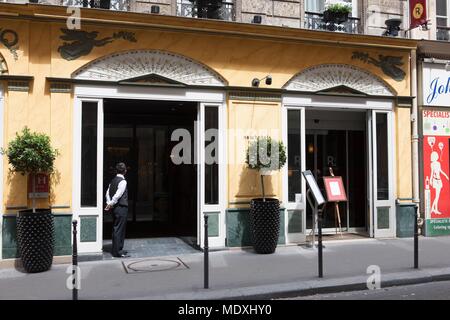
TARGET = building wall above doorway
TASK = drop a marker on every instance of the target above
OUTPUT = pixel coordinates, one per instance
(338, 76)
(149, 65)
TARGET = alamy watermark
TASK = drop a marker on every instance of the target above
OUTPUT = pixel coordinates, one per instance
(74, 280)
(185, 151)
(374, 280)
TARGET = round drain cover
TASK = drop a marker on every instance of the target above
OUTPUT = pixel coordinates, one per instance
(153, 265)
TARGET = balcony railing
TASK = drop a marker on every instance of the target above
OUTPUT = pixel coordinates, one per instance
(209, 9)
(119, 5)
(315, 21)
(222, 10)
(443, 33)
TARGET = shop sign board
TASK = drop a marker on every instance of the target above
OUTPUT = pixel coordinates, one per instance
(334, 188)
(418, 13)
(436, 166)
(312, 183)
(436, 85)
(42, 187)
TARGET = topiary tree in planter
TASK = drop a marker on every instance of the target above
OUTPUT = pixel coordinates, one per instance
(31, 153)
(265, 155)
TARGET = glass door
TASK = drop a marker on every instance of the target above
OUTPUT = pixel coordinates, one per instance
(210, 159)
(294, 186)
(382, 177)
(88, 164)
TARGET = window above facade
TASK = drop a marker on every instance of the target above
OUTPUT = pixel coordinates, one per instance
(209, 9)
(442, 20)
(317, 17)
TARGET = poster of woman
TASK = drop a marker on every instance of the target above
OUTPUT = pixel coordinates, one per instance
(437, 182)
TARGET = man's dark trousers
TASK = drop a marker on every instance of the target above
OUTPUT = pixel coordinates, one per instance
(119, 225)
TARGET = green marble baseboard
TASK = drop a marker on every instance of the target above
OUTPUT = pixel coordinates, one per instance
(239, 231)
(63, 242)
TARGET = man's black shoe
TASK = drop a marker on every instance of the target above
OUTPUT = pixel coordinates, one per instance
(122, 255)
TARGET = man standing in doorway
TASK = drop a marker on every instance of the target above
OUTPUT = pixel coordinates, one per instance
(117, 201)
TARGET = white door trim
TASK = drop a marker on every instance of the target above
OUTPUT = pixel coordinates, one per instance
(390, 202)
(334, 102)
(294, 237)
(221, 206)
(88, 247)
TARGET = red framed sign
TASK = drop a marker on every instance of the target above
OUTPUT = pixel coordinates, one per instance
(42, 186)
(334, 188)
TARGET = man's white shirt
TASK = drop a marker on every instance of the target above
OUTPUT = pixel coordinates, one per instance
(120, 190)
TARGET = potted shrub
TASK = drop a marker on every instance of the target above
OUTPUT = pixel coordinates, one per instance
(266, 156)
(337, 13)
(29, 154)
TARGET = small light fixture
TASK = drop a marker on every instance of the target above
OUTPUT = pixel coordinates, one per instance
(154, 9)
(256, 81)
(257, 19)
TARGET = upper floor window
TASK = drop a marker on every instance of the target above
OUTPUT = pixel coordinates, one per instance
(209, 9)
(318, 6)
(317, 19)
(442, 21)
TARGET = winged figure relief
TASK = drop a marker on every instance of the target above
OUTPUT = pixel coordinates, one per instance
(78, 43)
(390, 65)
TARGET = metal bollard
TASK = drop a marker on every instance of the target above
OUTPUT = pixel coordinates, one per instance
(416, 238)
(74, 261)
(319, 223)
(206, 255)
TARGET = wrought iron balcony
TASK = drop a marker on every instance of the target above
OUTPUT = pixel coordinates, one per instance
(315, 21)
(119, 5)
(443, 33)
(209, 9)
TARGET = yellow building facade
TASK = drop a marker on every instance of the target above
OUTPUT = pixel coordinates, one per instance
(102, 93)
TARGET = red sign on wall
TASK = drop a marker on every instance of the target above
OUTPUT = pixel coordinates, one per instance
(418, 13)
(42, 186)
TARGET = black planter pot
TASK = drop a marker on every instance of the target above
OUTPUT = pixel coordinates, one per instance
(265, 224)
(393, 27)
(35, 237)
(334, 17)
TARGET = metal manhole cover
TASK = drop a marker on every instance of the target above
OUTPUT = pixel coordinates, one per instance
(152, 265)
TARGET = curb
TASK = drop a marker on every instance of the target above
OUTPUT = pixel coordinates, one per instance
(309, 287)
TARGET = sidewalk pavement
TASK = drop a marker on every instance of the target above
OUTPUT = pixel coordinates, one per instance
(242, 274)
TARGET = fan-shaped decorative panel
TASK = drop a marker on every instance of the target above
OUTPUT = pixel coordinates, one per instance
(329, 76)
(3, 66)
(139, 63)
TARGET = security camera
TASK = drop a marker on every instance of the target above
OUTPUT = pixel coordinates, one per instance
(255, 82)
(269, 80)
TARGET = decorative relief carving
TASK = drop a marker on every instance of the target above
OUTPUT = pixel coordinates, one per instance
(329, 76)
(81, 42)
(9, 38)
(390, 65)
(138, 63)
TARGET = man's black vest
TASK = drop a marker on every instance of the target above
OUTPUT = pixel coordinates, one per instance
(113, 186)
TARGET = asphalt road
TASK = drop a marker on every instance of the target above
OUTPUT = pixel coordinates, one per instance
(426, 291)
